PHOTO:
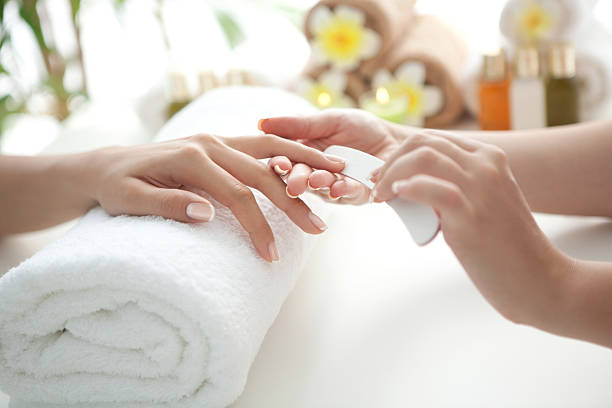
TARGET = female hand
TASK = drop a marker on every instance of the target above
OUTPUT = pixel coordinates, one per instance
(164, 179)
(485, 220)
(347, 127)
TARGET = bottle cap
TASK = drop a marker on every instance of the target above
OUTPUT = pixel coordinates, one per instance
(562, 61)
(494, 66)
(177, 87)
(528, 62)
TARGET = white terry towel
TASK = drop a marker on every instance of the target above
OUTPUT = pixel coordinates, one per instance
(146, 312)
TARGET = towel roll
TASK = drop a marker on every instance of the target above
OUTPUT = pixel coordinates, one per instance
(444, 54)
(146, 312)
(388, 18)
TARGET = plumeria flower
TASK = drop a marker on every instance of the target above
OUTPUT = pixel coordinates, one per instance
(537, 21)
(327, 91)
(341, 38)
(409, 82)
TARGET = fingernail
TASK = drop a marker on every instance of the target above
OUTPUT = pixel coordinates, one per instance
(260, 124)
(273, 252)
(200, 211)
(317, 222)
(396, 186)
(331, 197)
(335, 158)
(311, 187)
(280, 171)
(289, 194)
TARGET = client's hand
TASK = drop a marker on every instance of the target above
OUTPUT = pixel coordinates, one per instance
(165, 178)
(485, 220)
(347, 127)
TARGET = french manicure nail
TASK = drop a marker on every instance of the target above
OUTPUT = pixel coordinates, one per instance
(273, 250)
(289, 194)
(335, 158)
(317, 222)
(200, 211)
(396, 186)
(260, 124)
(280, 171)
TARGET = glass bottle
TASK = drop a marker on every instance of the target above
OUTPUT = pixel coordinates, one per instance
(494, 92)
(178, 93)
(527, 92)
(562, 86)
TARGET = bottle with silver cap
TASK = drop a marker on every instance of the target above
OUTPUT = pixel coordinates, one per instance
(527, 92)
(562, 89)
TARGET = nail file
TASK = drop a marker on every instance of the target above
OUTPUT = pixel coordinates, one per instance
(421, 221)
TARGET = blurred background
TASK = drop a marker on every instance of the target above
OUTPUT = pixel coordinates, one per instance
(113, 71)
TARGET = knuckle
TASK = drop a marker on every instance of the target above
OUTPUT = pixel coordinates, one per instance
(168, 205)
(489, 174)
(425, 157)
(241, 195)
(190, 151)
(496, 155)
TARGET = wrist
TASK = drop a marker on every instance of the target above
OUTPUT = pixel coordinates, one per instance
(77, 175)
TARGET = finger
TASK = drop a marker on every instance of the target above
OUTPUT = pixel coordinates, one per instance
(423, 160)
(204, 173)
(350, 191)
(442, 195)
(280, 164)
(264, 146)
(465, 143)
(442, 145)
(297, 181)
(321, 179)
(257, 175)
(143, 198)
(294, 127)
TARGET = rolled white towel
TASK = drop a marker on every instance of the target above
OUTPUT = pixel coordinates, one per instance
(146, 312)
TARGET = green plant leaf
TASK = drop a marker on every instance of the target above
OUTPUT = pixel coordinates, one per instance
(75, 7)
(29, 14)
(232, 30)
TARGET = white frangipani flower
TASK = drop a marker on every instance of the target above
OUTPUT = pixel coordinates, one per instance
(341, 38)
(327, 91)
(409, 82)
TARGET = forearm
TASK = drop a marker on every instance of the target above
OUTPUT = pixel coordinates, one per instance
(38, 192)
(586, 311)
(563, 170)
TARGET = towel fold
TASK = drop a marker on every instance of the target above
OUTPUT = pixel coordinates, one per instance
(146, 312)
(443, 52)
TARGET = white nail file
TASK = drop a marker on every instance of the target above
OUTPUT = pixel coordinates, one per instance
(421, 221)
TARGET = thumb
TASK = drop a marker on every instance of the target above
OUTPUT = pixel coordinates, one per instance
(294, 127)
(179, 205)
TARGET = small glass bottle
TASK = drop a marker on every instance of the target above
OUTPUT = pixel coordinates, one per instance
(527, 92)
(494, 92)
(562, 86)
(178, 93)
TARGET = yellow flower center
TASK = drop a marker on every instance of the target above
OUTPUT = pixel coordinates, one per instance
(413, 94)
(341, 39)
(535, 21)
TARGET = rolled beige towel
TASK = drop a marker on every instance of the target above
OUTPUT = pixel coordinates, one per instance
(444, 55)
(383, 22)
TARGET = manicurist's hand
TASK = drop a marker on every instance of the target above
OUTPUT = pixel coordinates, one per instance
(163, 179)
(485, 220)
(347, 127)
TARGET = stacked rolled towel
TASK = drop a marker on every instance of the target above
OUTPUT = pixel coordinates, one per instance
(444, 55)
(147, 312)
(338, 28)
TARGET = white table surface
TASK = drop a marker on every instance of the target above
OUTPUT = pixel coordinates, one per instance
(375, 321)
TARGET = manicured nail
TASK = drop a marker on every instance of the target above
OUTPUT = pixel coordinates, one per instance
(273, 252)
(311, 187)
(200, 211)
(289, 194)
(280, 171)
(398, 185)
(260, 124)
(374, 175)
(335, 158)
(317, 222)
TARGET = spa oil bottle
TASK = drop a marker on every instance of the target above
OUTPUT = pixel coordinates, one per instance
(562, 86)
(494, 92)
(178, 93)
(527, 92)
